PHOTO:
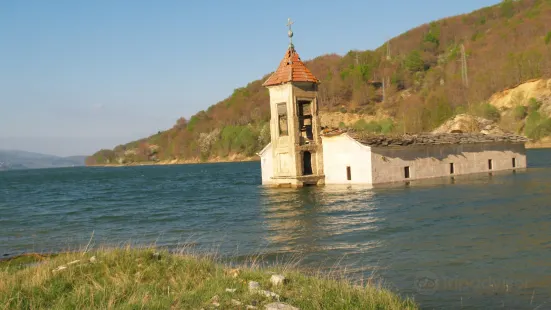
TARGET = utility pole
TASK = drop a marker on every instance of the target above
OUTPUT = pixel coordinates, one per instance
(388, 50)
(464, 73)
(384, 89)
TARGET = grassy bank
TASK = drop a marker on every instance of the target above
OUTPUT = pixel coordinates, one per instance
(130, 278)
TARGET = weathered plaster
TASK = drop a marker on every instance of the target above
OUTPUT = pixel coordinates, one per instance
(430, 161)
(342, 151)
(287, 151)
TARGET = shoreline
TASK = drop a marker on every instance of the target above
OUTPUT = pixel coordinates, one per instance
(196, 161)
(155, 278)
(538, 145)
(180, 162)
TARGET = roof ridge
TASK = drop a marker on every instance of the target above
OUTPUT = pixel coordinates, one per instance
(291, 69)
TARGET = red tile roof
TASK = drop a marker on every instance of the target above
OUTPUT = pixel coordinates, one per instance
(291, 69)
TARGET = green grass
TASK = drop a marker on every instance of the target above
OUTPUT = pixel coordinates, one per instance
(520, 112)
(384, 126)
(130, 278)
(487, 111)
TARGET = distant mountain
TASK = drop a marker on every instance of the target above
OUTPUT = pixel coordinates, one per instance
(13, 159)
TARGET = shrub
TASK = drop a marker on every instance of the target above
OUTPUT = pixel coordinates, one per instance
(387, 125)
(104, 157)
(533, 12)
(507, 8)
(454, 52)
(240, 139)
(414, 62)
(383, 126)
(520, 112)
(548, 38)
(460, 110)
(532, 122)
(433, 36)
(477, 35)
(482, 20)
(537, 126)
(533, 105)
(192, 122)
(487, 111)
(362, 125)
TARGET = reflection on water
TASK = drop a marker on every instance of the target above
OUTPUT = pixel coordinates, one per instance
(480, 240)
(300, 220)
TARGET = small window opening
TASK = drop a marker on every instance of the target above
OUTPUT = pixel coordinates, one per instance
(514, 162)
(348, 173)
(490, 164)
(452, 169)
(282, 119)
(406, 172)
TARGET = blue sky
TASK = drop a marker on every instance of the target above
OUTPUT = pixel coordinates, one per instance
(77, 76)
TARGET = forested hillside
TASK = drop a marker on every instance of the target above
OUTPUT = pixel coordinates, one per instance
(505, 45)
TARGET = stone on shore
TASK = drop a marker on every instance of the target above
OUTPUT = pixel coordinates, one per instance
(277, 279)
(280, 306)
(268, 294)
(253, 286)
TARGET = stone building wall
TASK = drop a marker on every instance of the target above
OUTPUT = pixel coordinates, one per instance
(430, 161)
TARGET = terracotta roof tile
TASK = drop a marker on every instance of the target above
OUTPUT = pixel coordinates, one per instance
(291, 69)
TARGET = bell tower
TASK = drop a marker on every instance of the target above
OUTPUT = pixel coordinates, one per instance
(297, 153)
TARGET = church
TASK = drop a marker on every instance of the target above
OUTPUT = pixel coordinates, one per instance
(301, 153)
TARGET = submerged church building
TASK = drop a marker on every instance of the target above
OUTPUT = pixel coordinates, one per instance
(300, 153)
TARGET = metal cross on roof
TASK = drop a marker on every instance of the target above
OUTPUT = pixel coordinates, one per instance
(290, 32)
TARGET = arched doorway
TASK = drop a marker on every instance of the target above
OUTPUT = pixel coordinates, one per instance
(306, 163)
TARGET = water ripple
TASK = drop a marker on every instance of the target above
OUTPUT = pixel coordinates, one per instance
(462, 231)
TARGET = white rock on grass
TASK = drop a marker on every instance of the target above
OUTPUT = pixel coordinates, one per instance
(280, 306)
(215, 301)
(231, 290)
(254, 286)
(236, 302)
(62, 267)
(277, 279)
(268, 294)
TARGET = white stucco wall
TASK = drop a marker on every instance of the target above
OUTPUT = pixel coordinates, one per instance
(267, 164)
(430, 161)
(342, 151)
(284, 156)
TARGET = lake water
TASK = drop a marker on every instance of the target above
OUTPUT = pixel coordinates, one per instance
(474, 242)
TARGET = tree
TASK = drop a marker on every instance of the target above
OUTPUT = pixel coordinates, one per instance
(181, 123)
(507, 8)
(414, 62)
